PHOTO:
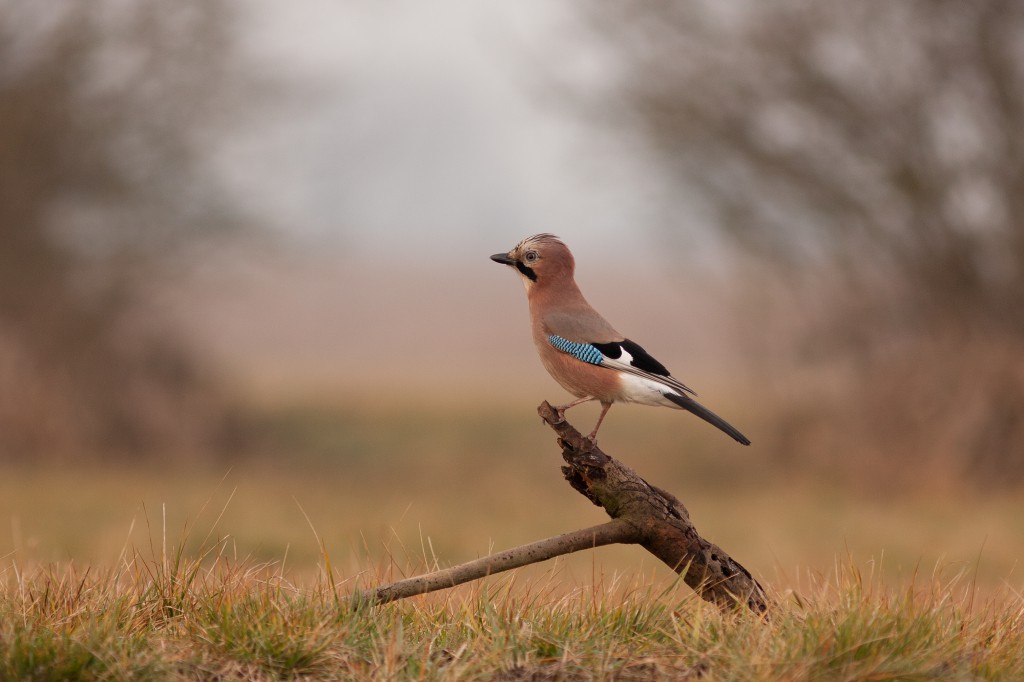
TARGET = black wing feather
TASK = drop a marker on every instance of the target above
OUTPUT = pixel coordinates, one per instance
(612, 350)
(642, 360)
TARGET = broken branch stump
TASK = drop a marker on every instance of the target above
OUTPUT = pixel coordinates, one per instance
(641, 514)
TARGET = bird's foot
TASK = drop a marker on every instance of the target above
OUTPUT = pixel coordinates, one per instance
(591, 438)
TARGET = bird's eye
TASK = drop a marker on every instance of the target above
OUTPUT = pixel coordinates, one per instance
(531, 257)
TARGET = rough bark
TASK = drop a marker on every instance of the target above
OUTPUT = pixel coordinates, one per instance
(662, 524)
(641, 514)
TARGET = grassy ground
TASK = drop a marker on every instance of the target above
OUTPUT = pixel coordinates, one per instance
(221, 572)
(173, 618)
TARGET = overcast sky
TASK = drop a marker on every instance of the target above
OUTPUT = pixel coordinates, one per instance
(418, 139)
(405, 126)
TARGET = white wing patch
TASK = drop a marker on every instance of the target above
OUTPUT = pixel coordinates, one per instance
(666, 383)
(638, 389)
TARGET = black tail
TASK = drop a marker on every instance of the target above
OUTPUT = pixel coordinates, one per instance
(707, 415)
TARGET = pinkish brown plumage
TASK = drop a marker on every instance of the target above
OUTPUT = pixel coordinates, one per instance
(581, 350)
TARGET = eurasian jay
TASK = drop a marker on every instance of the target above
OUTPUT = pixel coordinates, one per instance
(581, 350)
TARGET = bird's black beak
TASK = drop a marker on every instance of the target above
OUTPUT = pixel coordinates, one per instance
(503, 259)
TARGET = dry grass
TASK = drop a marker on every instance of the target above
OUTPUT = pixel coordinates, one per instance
(202, 574)
(211, 617)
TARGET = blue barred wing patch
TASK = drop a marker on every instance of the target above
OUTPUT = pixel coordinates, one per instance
(580, 351)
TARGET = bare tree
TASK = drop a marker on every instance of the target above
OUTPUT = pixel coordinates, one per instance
(105, 109)
(875, 153)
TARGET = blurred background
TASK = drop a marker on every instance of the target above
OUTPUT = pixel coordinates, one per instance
(244, 274)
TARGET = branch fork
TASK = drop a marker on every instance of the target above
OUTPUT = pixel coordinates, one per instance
(640, 514)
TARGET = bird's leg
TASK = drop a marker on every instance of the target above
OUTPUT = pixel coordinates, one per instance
(560, 411)
(604, 410)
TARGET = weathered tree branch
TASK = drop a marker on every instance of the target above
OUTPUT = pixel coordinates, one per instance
(661, 521)
(641, 514)
(610, 533)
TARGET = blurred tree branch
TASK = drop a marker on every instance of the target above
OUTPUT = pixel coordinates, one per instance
(880, 140)
(873, 153)
(104, 112)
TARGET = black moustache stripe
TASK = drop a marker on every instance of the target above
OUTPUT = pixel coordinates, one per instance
(526, 271)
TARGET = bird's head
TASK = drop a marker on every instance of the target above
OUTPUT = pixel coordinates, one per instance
(540, 259)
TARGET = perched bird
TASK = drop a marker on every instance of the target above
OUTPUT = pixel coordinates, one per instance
(581, 350)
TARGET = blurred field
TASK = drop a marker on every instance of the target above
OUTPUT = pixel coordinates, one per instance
(253, 354)
(395, 490)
